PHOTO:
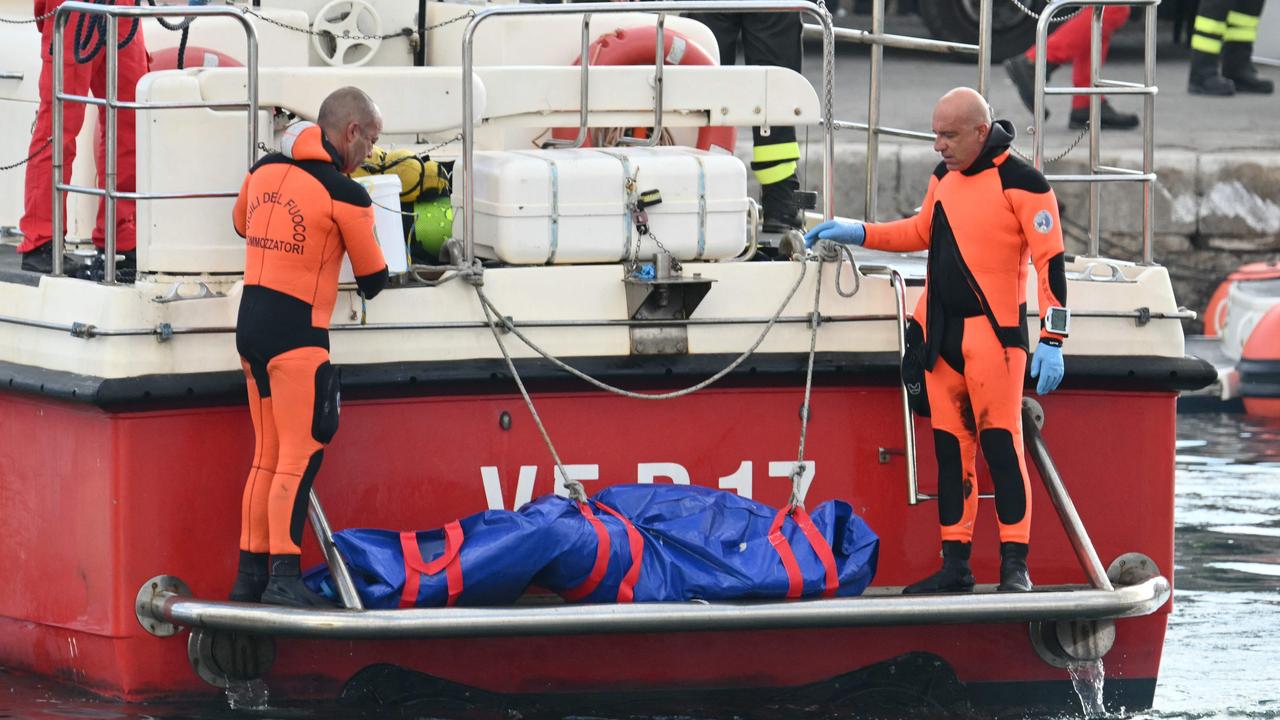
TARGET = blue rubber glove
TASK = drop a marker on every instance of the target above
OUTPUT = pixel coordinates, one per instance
(846, 233)
(1047, 365)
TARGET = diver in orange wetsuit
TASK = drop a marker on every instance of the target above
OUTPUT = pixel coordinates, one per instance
(298, 213)
(985, 214)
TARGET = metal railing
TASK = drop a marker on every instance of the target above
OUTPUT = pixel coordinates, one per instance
(176, 609)
(661, 8)
(878, 40)
(111, 105)
(1099, 173)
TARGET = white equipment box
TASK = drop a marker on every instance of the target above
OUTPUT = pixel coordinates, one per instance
(574, 206)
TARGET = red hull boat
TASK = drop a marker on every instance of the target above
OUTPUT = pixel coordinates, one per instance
(129, 440)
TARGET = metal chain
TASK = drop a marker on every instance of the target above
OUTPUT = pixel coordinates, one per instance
(36, 19)
(1059, 156)
(634, 209)
(675, 264)
(268, 150)
(405, 32)
(29, 158)
(1028, 11)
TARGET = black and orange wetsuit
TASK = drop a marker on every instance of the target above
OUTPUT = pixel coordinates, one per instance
(298, 214)
(981, 226)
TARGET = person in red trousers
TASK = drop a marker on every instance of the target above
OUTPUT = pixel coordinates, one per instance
(1070, 44)
(84, 70)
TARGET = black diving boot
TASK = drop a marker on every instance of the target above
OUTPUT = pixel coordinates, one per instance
(1205, 79)
(251, 577)
(780, 206)
(1238, 67)
(286, 586)
(1014, 576)
(954, 576)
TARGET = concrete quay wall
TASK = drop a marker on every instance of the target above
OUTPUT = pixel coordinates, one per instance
(1214, 210)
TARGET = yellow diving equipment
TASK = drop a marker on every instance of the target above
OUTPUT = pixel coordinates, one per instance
(417, 176)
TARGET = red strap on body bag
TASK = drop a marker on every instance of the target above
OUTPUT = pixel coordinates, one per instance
(414, 567)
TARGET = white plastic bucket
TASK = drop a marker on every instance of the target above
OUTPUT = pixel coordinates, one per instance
(385, 192)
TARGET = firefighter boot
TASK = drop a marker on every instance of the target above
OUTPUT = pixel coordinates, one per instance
(251, 577)
(1014, 576)
(1109, 117)
(1238, 67)
(286, 586)
(954, 576)
(1022, 72)
(780, 206)
(1205, 79)
(40, 260)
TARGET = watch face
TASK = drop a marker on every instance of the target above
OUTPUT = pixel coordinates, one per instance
(1056, 320)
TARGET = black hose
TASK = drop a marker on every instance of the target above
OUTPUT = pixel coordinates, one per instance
(182, 48)
(420, 54)
(182, 24)
(91, 34)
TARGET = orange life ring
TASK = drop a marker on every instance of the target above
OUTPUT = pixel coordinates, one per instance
(195, 57)
(1214, 311)
(636, 46)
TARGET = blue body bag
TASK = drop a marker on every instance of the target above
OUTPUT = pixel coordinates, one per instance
(643, 543)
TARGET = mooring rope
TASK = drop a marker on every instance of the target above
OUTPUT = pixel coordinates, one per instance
(475, 275)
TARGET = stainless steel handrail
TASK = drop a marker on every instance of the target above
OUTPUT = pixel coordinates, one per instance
(581, 138)
(1098, 86)
(901, 42)
(1032, 417)
(899, 286)
(659, 62)
(1046, 604)
(337, 564)
(112, 105)
(878, 40)
(88, 332)
(660, 7)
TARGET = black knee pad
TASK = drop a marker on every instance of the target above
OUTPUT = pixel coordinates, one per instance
(1006, 474)
(951, 489)
(914, 359)
(324, 418)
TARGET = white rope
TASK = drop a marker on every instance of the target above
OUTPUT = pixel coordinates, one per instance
(576, 491)
(511, 327)
(475, 275)
(796, 499)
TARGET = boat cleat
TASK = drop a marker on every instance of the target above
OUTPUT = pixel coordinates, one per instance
(1064, 643)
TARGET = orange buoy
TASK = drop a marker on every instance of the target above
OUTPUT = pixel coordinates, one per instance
(637, 46)
(1260, 367)
(1216, 310)
(193, 57)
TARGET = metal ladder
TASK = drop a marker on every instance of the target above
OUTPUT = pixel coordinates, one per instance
(112, 105)
(1099, 173)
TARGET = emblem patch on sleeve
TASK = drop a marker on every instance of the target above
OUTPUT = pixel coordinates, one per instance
(1043, 222)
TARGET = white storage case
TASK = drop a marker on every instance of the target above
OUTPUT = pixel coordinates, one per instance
(384, 191)
(571, 206)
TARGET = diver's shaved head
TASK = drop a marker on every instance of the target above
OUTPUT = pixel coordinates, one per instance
(352, 122)
(345, 106)
(961, 124)
(966, 105)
